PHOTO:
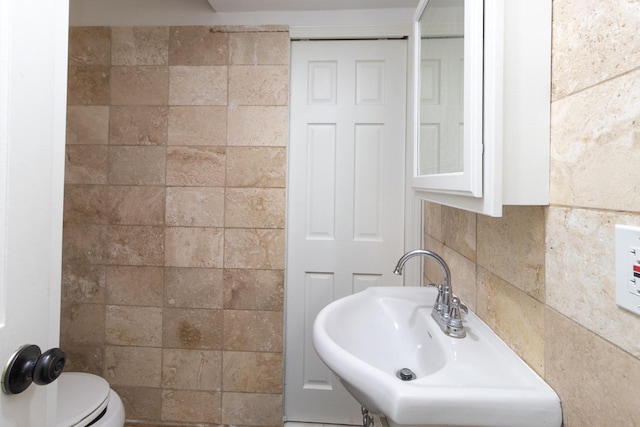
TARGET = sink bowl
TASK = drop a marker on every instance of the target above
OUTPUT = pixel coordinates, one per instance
(368, 337)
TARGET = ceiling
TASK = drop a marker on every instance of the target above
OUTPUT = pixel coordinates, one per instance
(302, 5)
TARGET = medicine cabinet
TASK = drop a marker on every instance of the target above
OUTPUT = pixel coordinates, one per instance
(481, 103)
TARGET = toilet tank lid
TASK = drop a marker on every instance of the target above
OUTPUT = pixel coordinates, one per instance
(81, 397)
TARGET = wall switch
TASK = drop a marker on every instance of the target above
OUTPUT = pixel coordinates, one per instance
(628, 268)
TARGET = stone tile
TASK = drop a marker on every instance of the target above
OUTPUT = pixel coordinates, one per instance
(581, 274)
(512, 247)
(135, 285)
(192, 329)
(254, 48)
(88, 85)
(84, 243)
(195, 206)
(432, 220)
(254, 248)
(258, 85)
(516, 317)
(258, 126)
(133, 366)
(137, 165)
(87, 124)
(83, 358)
(593, 42)
(82, 323)
(141, 403)
(202, 85)
(191, 369)
(198, 46)
(138, 125)
(83, 283)
(250, 330)
(86, 164)
(196, 166)
(252, 409)
(256, 166)
(463, 276)
(194, 247)
(594, 151)
(89, 46)
(85, 204)
(136, 245)
(198, 125)
(139, 85)
(134, 326)
(252, 372)
(459, 231)
(139, 46)
(253, 289)
(191, 406)
(193, 288)
(136, 205)
(255, 207)
(596, 381)
(431, 269)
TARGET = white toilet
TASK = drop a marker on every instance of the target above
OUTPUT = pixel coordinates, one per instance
(87, 400)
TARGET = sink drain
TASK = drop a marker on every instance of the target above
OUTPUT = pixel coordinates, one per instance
(406, 374)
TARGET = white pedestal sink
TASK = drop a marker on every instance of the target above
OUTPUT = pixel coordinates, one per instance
(366, 338)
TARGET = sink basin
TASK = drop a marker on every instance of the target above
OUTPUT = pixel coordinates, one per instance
(368, 337)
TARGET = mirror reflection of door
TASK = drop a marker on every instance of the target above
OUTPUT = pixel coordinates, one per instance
(442, 106)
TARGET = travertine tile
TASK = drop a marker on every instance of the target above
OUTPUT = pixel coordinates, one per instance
(139, 46)
(193, 288)
(192, 329)
(254, 248)
(83, 358)
(88, 85)
(86, 164)
(258, 85)
(89, 45)
(138, 125)
(463, 276)
(250, 330)
(432, 270)
(253, 289)
(83, 283)
(140, 403)
(133, 366)
(593, 41)
(251, 372)
(84, 243)
(195, 206)
(87, 124)
(256, 166)
(259, 48)
(196, 166)
(136, 205)
(139, 85)
(512, 247)
(516, 317)
(252, 409)
(136, 245)
(191, 369)
(432, 217)
(581, 272)
(82, 323)
(135, 285)
(198, 125)
(596, 381)
(202, 85)
(258, 126)
(85, 204)
(191, 406)
(134, 326)
(255, 207)
(198, 46)
(137, 165)
(459, 231)
(194, 247)
(595, 146)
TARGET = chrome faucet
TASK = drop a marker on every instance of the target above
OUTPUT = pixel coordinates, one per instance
(446, 310)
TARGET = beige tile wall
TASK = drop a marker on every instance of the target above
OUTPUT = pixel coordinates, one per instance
(174, 219)
(543, 278)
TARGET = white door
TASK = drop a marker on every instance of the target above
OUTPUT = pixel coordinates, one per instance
(33, 69)
(345, 224)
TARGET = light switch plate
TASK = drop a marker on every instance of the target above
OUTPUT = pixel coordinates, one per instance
(628, 267)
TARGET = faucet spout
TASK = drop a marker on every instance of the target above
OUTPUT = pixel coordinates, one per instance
(423, 252)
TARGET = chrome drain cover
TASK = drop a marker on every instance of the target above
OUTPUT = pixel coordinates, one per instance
(406, 374)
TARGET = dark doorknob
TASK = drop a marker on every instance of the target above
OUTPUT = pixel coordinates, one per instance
(29, 365)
